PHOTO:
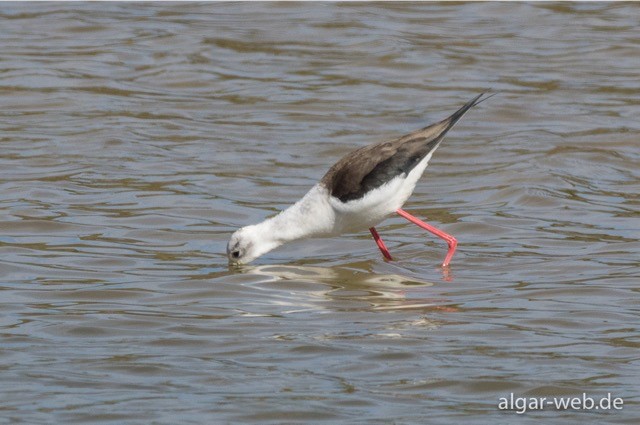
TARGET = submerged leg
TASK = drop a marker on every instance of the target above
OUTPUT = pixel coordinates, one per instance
(381, 245)
(451, 241)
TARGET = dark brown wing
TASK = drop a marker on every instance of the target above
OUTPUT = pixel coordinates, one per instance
(372, 166)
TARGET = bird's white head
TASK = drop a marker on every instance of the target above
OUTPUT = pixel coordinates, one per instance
(247, 244)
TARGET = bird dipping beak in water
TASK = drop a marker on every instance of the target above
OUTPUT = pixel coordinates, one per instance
(357, 193)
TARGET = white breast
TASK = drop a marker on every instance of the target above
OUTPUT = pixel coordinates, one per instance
(378, 204)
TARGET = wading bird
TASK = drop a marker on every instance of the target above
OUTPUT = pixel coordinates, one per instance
(358, 192)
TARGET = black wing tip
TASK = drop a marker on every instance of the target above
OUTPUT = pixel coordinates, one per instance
(470, 104)
(477, 100)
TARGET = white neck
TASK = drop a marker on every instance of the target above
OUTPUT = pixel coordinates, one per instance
(310, 216)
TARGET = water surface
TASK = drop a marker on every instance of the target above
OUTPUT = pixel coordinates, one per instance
(136, 137)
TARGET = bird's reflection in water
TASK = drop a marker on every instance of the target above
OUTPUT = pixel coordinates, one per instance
(346, 287)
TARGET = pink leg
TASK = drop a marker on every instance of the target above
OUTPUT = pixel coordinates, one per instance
(451, 241)
(381, 245)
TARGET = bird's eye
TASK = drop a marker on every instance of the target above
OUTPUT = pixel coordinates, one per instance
(235, 254)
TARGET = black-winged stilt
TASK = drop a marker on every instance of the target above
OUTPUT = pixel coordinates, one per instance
(358, 192)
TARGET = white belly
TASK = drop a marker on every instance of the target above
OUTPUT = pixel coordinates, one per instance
(378, 204)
